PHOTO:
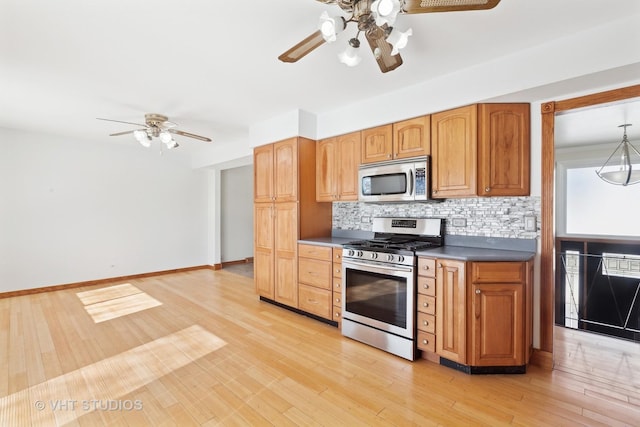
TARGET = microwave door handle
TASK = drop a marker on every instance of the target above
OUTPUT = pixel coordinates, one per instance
(411, 182)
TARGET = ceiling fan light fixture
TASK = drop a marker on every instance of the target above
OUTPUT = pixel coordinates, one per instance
(142, 137)
(398, 39)
(171, 143)
(330, 26)
(385, 11)
(165, 137)
(622, 173)
(350, 56)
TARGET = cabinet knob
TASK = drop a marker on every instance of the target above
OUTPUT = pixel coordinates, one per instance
(426, 267)
(487, 189)
(477, 291)
(388, 156)
(426, 286)
(425, 323)
(425, 342)
(439, 265)
(425, 304)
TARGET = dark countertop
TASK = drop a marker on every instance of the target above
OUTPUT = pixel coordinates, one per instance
(327, 241)
(463, 253)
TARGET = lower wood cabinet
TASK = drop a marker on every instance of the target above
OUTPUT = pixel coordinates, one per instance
(316, 277)
(482, 314)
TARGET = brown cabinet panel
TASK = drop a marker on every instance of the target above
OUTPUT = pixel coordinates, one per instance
(412, 138)
(315, 301)
(315, 251)
(426, 304)
(264, 254)
(285, 159)
(426, 341)
(427, 267)
(451, 310)
(337, 162)
(504, 150)
(498, 272)
(263, 174)
(427, 322)
(497, 335)
(315, 273)
(377, 144)
(427, 285)
(454, 151)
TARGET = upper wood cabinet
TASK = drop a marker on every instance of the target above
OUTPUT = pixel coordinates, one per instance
(276, 172)
(337, 162)
(400, 140)
(504, 150)
(412, 138)
(481, 150)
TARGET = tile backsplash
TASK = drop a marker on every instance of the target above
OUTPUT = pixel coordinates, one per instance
(485, 216)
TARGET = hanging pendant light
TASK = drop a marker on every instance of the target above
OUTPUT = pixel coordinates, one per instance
(622, 173)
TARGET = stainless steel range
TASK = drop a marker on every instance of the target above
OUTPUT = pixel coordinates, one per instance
(379, 283)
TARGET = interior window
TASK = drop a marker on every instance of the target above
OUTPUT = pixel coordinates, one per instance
(594, 207)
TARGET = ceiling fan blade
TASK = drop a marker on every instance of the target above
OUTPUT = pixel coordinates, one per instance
(120, 121)
(125, 132)
(303, 48)
(190, 135)
(382, 50)
(429, 6)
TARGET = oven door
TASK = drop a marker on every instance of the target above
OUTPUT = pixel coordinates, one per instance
(378, 295)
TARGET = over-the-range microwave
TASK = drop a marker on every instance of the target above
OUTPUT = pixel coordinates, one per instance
(394, 181)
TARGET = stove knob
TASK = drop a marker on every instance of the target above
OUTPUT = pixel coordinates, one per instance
(390, 258)
(359, 254)
(400, 258)
(351, 252)
(374, 255)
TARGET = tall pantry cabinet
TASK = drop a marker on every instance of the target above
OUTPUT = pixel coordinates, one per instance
(285, 210)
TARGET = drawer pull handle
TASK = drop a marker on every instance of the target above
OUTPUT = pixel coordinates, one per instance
(337, 299)
(425, 342)
(426, 286)
(439, 265)
(425, 323)
(426, 267)
(426, 304)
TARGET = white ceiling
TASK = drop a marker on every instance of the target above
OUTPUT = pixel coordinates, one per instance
(212, 67)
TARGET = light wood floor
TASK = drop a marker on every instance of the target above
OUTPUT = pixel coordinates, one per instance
(213, 354)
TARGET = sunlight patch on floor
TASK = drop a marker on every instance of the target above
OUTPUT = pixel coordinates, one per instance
(63, 399)
(115, 301)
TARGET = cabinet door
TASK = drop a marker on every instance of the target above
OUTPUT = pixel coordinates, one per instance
(326, 170)
(450, 310)
(286, 253)
(454, 151)
(263, 173)
(412, 138)
(349, 162)
(504, 150)
(497, 325)
(263, 249)
(285, 160)
(377, 145)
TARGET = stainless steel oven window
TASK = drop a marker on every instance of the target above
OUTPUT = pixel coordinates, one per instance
(379, 185)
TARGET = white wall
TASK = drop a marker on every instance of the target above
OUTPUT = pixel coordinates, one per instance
(236, 204)
(73, 211)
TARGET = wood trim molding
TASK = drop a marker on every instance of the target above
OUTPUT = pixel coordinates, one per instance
(542, 359)
(547, 279)
(98, 282)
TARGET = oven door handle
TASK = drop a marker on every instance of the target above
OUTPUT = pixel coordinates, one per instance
(395, 268)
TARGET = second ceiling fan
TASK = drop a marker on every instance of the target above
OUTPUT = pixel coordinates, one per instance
(375, 18)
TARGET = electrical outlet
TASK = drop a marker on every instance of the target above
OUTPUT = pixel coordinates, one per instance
(530, 223)
(459, 222)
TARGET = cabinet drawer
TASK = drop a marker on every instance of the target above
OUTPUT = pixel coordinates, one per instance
(427, 285)
(315, 301)
(337, 284)
(427, 267)
(337, 270)
(498, 272)
(426, 304)
(337, 254)
(315, 252)
(337, 313)
(337, 298)
(426, 341)
(315, 273)
(426, 322)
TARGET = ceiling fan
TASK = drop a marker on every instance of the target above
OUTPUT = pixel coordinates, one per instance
(375, 18)
(156, 126)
